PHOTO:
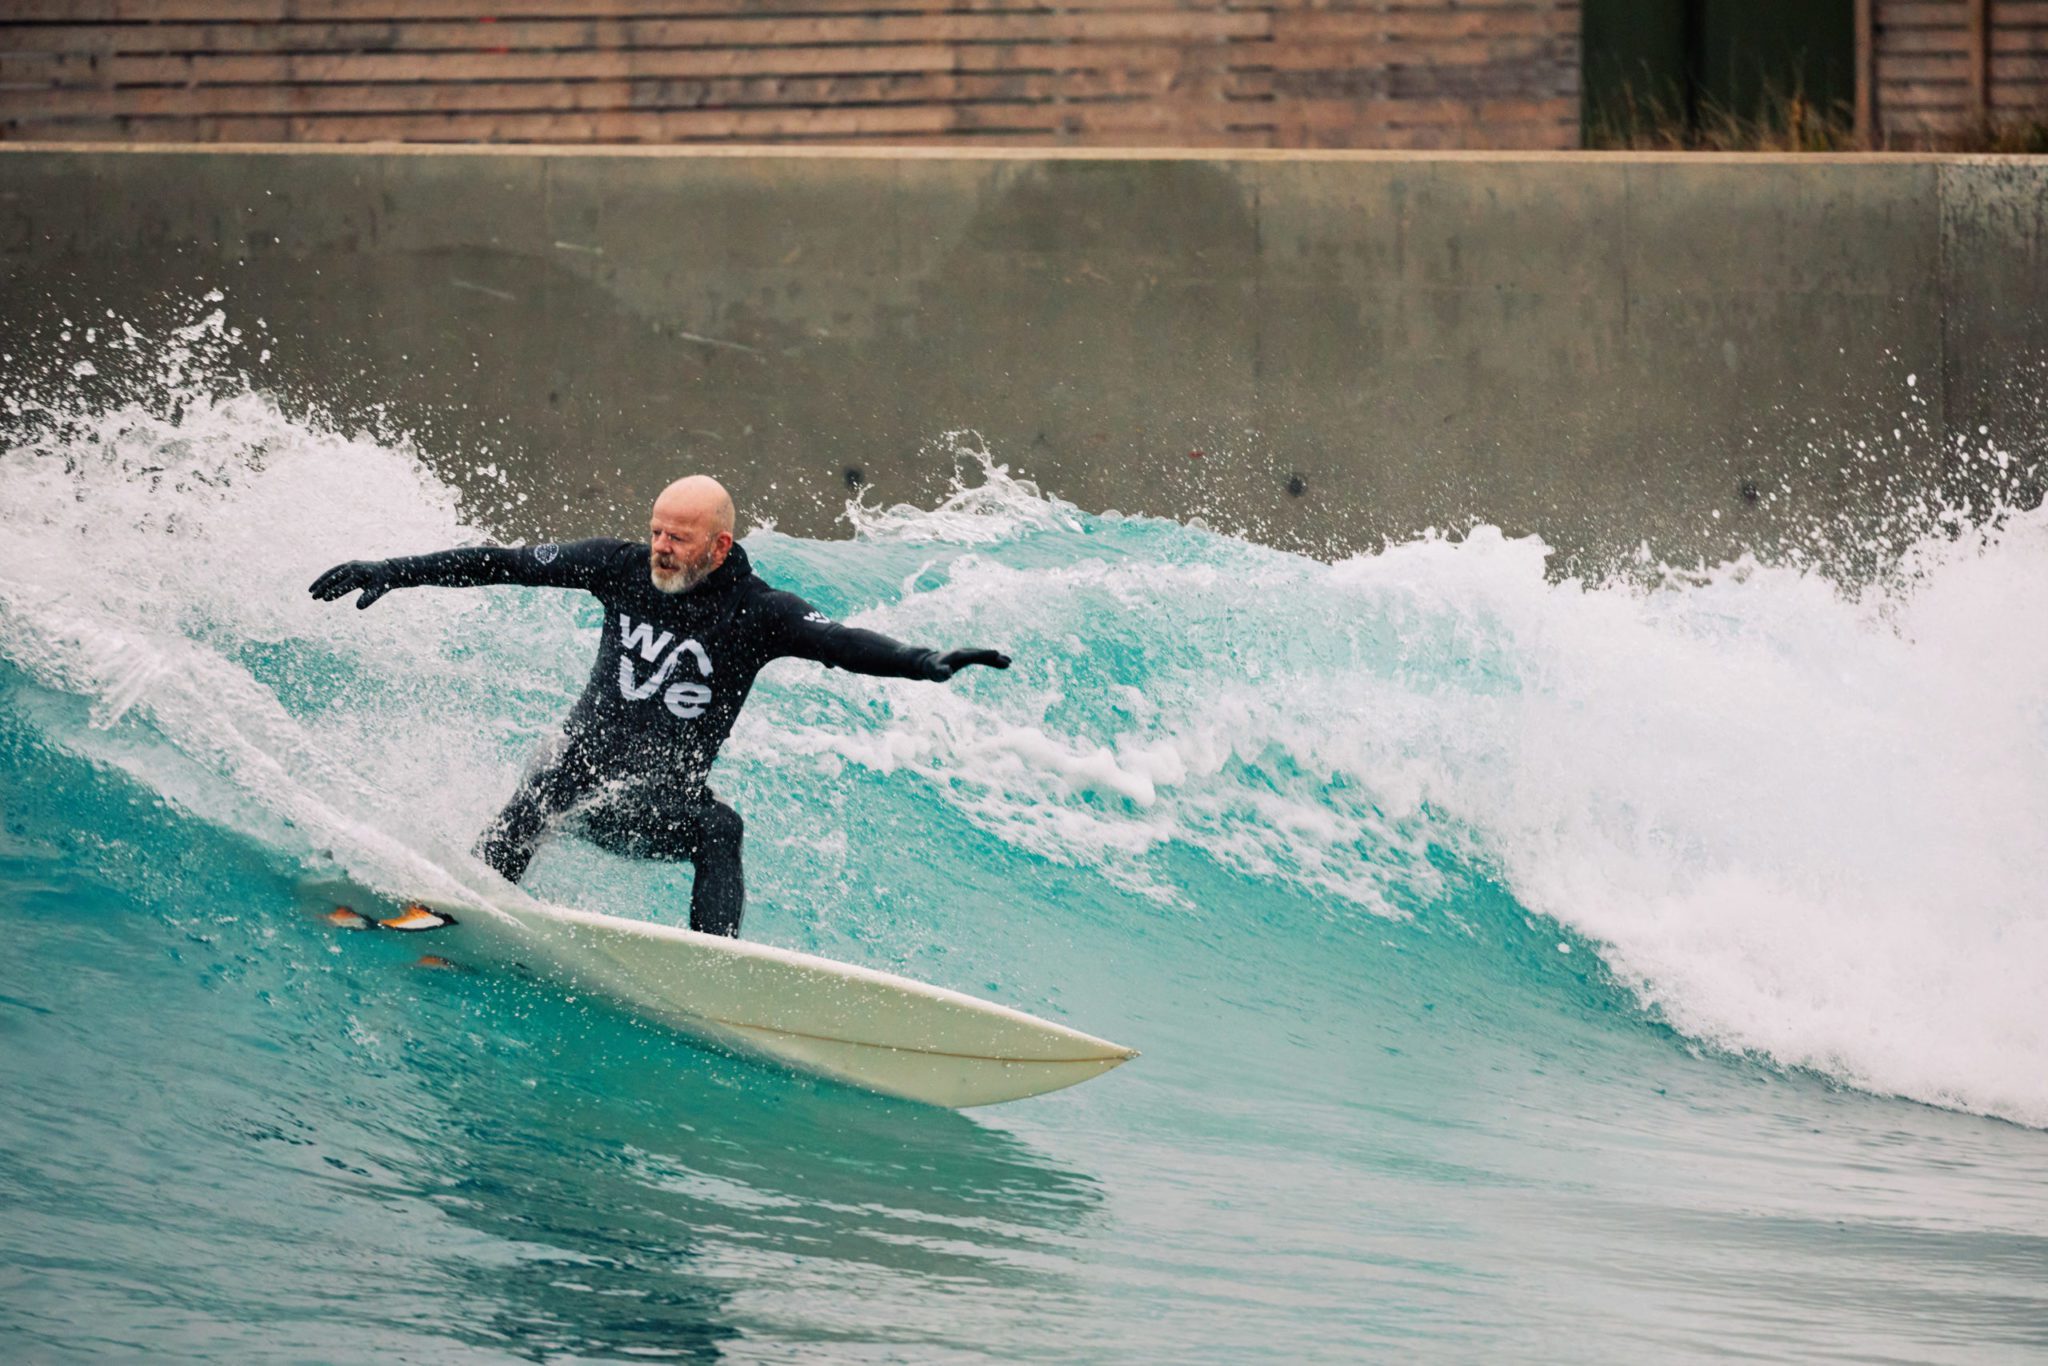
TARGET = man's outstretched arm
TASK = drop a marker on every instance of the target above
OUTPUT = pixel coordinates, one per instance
(810, 634)
(574, 565)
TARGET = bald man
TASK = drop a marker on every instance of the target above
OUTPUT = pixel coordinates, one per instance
(687, 625)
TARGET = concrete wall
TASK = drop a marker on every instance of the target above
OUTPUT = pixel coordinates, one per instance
(1320, 349)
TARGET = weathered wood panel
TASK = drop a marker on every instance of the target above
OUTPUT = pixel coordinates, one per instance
(1406, 73)
(1947, 69)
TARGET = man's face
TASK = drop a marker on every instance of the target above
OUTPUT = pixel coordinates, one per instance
(687, 545)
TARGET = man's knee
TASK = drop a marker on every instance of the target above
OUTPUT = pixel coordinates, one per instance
(547, 789)
(722, 829)
(507, 854)
(719, 893)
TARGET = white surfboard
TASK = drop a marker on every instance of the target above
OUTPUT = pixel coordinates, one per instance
(870, 1029)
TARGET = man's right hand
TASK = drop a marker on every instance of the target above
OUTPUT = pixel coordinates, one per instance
(344, 579)
(953, 661)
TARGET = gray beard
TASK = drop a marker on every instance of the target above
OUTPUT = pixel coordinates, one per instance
(676, 580)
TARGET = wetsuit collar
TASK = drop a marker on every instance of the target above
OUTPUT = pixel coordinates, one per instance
(735, 568)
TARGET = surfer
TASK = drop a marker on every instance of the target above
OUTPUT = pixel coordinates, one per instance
(687, 625)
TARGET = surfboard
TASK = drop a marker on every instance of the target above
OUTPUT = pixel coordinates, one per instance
(858, 1026)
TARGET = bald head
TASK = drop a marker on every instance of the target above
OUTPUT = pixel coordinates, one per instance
(691, 532)
(696, 496)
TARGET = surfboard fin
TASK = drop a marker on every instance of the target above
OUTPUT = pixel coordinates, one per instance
(412, 917)
(417, 917)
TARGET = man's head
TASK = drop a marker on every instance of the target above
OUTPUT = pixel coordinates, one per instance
(692, 533)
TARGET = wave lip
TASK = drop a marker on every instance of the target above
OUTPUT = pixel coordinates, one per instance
(1800, 821)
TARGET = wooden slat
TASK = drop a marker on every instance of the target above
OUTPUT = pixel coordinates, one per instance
(1416, 25)
(363, 68)
(1935, 122)
(366, 68)
(452, 68)
(550, 127)
(2014, 40)
(1562, 136)
(96, 11)
(1357, 55)
(498, 35)
(1926, 14)
(674, 126)
(402, 11)
(278, 12)
(1417, 113)
(1165, 137)
(47, 70)
(1481, 9)
(599, 62)
(279, 131)
(901, 87)
(1397, 6)
(1339, 130)
(469, 35)
(1924, 67)
(1915, 99)
(1916, 40)
(1498, 80)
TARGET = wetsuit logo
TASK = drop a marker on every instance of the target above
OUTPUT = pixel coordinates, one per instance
(685, 700)
(545, 554)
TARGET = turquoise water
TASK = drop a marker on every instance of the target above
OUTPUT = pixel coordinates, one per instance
(1523, 970)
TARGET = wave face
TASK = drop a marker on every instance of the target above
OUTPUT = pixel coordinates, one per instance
(1512, 958)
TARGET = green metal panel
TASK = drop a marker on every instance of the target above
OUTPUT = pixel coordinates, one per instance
(1679, 65)
(1755, 54)
(1634, 63)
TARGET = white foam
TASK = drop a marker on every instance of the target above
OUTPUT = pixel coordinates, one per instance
(144, 556)
(993, 509)
(1797, 823)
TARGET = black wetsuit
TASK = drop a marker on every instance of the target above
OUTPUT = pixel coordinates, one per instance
(672, 669)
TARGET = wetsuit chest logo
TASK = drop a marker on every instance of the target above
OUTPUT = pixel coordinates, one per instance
(685, 700)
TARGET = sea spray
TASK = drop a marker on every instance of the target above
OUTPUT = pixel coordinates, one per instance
(1798, 821)
(1505, 950)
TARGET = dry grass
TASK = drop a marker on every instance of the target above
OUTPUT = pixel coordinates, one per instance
(1789, 123)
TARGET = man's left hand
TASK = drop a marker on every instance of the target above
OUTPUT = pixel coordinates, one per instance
(344, 579)
(950, 663)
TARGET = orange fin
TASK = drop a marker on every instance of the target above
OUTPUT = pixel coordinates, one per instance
(417, 917)
(341, 917)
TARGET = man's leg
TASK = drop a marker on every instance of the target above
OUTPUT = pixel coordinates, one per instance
(648, 822)
(553, 784)
(719, 894)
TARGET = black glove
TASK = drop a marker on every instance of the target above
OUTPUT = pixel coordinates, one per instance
(344, 579)
(950, 663)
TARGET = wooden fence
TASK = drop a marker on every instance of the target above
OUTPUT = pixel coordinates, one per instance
(1289, 73)
(1938, 71)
